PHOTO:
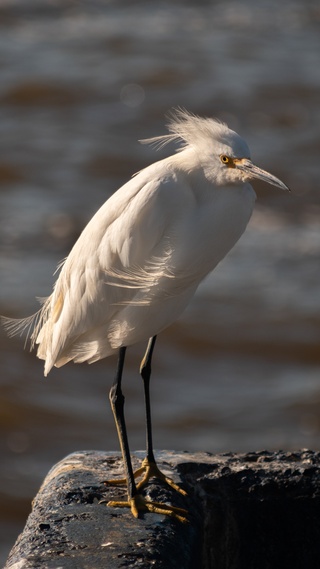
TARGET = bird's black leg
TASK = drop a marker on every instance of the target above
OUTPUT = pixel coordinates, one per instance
(136, 501)
(116, 398)
(145, 371)
(149, 467)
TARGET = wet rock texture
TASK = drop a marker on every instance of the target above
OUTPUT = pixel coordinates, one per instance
(257, 510)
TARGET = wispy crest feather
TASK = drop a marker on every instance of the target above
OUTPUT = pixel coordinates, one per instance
(188, 129)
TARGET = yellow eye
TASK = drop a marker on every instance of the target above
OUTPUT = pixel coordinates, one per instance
(224, 159)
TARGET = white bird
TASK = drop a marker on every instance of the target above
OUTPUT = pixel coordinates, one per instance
(140, 259)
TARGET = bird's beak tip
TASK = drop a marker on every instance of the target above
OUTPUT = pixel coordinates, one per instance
(253, 171)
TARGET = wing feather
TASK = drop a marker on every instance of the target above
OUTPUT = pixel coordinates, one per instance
(120, 258)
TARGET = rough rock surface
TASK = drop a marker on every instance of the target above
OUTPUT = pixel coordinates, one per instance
(253, 511)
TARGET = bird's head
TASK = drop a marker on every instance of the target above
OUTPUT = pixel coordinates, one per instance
(222, 154)
(232, 162)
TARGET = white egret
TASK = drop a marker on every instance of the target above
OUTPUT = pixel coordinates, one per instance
(139, 261)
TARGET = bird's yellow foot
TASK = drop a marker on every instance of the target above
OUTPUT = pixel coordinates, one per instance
(148, 470)
(140, 504)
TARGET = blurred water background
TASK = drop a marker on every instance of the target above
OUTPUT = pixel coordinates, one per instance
(80, 83)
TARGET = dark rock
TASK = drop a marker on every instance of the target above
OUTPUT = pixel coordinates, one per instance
(69, 528)
(246, 511)
(260, 510)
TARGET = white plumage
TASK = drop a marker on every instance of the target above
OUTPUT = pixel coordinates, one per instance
(142, 256)
(139, 261)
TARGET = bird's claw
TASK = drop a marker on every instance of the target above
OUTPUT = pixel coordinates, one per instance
(138, 503)
(149, 470)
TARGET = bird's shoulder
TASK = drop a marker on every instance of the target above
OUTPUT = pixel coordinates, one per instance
(155, 189)
(134, 218)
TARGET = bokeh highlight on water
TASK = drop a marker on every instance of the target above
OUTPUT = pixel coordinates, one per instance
(80, 83)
